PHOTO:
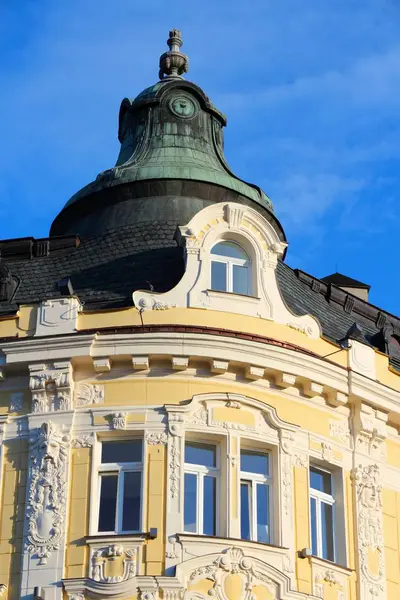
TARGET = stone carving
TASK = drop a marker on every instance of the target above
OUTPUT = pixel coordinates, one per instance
(234, 562)
(174, 465)
(118, 420)
(233, 404)
(233, 216)
(300, 460)
(307, 330)
(328, 577)
(151, 303)
(86, 440)
(156, 437)
(112, 552)
(147, 594)
(371, 431)
(340, 430)
(369, 527)
(89, 394)
(76, 596)
(286, 443)
(47, 491)
(199, 417)
(326, 451)
(51, 389)
(16, 401)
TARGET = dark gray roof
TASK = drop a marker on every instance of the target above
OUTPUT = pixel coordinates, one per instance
(105, 270)
(343, 281)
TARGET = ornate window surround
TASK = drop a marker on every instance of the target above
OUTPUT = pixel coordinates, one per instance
(245, 226)
(266, 432)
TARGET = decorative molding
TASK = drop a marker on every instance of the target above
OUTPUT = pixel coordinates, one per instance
(16, 403)
(118, 420)
(174, 465)
(370, 430)
(340, 430)
(47, 494)
(102, 555)
(87, 393)
(77, 596)
(369, 529)
(153, 438)
(326, 451)
(300, 459)
(51, 387)
(85, 440)
(57, 316)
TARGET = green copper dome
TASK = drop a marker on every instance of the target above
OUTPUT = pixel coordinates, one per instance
(171, 132)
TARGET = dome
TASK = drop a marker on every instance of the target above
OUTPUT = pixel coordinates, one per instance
(171, 160)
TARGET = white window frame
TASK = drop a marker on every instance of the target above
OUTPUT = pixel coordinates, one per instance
(230, 263)
(202, 471)
(118, 469)
(254, 479)
(323, 498)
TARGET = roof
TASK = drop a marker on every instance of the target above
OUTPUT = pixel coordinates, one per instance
(343, 281)
(105, 270)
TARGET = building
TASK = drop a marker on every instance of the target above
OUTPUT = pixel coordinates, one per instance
(182, 415)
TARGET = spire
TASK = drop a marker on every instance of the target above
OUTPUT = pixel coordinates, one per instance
(173, 63)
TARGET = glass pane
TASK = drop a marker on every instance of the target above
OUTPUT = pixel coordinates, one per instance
(320, 480)
(254, 462)
(245, 491)
(218, 276)
(131, 502)
(209, 512)
(314, 544)
(122, 451)
(229, 249)
(108, 502)
(327, 531)
(200, 454)
(262, 513)
(240, 283)
(190, 502)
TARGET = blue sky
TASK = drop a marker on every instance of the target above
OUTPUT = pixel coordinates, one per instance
(311, 90)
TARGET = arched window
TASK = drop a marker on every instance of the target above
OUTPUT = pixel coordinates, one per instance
(230, 269)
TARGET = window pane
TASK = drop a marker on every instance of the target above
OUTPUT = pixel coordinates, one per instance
(218, 276)
(131, 502)
(200, 454)
(240, 283)
(314, 544)
(262, 513)
(229, 249)
(190, 502)
(320, 480)
(209, 524)
(245, 491)
(122, 451)
(254, 462)
(327, 531)
(108, 502)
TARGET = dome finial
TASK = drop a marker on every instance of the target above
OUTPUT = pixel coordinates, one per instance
(173, 63)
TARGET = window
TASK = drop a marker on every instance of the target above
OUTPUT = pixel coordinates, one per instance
(230, 269)
(201, 483)
(322, 508)
(120, 485)
(255, 518)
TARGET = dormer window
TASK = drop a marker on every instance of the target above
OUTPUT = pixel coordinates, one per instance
(230, 269)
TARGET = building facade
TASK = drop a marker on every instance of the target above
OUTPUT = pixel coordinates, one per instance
(182, 415)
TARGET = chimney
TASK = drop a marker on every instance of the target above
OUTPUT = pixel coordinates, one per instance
(347, 284)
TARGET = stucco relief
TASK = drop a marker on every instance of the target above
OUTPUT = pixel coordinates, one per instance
(153, 438)
(236, 574)
(87, 393)
(371, 431)
(51, 388)
(85, 440)
(47, 493)
(118, 420)
(369, 529)
(127, 563)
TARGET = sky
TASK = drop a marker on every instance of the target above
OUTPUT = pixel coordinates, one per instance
(311, 90)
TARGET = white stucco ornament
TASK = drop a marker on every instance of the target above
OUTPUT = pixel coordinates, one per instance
(248, 228)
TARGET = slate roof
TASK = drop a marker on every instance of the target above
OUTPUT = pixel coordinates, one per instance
(105, 270)
(343, 281)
